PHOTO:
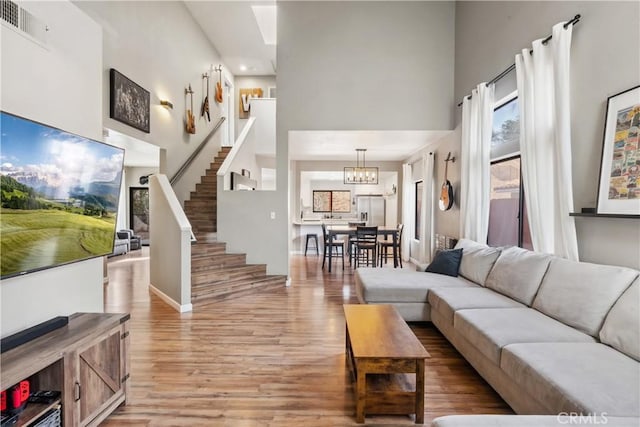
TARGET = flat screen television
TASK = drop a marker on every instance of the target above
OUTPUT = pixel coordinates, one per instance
(59, 196)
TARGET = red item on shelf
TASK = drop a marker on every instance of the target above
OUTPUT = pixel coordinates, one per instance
(24, 391)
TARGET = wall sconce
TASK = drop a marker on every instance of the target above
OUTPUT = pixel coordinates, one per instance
(166, 104)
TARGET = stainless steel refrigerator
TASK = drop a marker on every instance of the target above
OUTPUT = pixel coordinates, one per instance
(371, 209)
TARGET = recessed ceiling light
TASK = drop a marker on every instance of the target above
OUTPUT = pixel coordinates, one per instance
(243, 68)
(266, 17)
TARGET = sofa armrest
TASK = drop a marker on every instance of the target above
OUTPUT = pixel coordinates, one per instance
(422, 267)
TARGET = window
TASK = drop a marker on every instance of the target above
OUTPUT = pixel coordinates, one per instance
(418, 209)
(508, 222)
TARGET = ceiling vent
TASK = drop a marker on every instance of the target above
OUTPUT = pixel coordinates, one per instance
(23, 21)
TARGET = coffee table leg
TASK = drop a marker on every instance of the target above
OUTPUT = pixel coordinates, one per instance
(419, 391)
(361, 395)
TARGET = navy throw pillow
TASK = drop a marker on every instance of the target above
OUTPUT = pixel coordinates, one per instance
(446, 262)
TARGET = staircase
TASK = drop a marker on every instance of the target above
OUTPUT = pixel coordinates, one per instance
(215, 274)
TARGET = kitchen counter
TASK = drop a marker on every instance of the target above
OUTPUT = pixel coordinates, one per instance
(332, 221)
(311, 226)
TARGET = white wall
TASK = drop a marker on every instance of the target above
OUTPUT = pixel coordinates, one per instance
(60, 85)
(445, 222)
(264, 110)
(366, 65)
(604, 61)
(358, 66)
(250, 82)
(158, 45)
(170, 252)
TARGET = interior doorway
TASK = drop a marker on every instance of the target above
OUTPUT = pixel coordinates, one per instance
(139, 213)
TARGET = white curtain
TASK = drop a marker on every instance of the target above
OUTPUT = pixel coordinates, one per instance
(426, 211)
(408, 210)
(477, 122)
(545, 143)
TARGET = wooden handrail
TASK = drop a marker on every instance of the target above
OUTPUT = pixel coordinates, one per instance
(197, 151)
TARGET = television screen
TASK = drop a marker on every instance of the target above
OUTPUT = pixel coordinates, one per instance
(59, 196)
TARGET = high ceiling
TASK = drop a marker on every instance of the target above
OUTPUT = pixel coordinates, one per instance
(341, 145)
(232, 28)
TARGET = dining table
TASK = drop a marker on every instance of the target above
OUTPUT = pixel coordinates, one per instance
(350, 231)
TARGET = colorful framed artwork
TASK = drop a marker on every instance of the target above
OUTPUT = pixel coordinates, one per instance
(619, 186)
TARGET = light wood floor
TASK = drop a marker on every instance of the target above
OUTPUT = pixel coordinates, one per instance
(273, 359)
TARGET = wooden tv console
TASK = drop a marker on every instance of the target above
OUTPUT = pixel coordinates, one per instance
(86, 360)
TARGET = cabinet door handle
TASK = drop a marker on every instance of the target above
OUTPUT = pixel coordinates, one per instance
(77, 391)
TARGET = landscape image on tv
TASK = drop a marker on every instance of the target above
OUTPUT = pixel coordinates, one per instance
(59, 196)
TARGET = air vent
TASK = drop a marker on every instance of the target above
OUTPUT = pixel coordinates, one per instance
(10, 12)
(23, 21)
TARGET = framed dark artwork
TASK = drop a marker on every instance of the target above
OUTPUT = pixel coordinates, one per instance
(139, 212)
(129, 102)
(619, 185)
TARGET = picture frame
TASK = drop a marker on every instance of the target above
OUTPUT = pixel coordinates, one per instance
(619, 183)
(341, 201)
(332, 201)
(321, 201)
(240, 182)
(129, 103)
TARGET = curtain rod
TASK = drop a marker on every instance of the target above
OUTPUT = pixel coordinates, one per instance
(575, 20)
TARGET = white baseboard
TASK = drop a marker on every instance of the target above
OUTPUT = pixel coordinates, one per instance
(166, 298)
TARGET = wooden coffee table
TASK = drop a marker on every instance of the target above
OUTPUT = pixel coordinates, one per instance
(382, 352)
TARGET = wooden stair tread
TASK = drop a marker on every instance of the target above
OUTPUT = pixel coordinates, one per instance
(238, 289)
(215, 274)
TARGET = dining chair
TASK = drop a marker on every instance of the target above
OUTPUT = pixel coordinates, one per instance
(384, 245)
(366, 245)
(330, 244)
(352, 240)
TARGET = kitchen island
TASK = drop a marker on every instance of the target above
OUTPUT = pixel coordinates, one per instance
(305, 226)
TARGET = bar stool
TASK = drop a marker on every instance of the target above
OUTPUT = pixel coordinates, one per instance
(314, 237)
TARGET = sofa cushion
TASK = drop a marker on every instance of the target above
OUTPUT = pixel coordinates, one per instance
(581, 294)
(396, 285)
(446, 262)
(580, 377)
(490, 329)
(447, 301)
(518, 273)
(534, 421)
(621, 329)
(477, 260)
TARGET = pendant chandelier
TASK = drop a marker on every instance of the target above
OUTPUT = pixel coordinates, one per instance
(361, 174)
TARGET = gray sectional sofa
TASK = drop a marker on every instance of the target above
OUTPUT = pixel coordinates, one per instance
(551, 336)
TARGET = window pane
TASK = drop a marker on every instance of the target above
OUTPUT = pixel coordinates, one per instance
(505, 137)
(419, 185)
(504, 205)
